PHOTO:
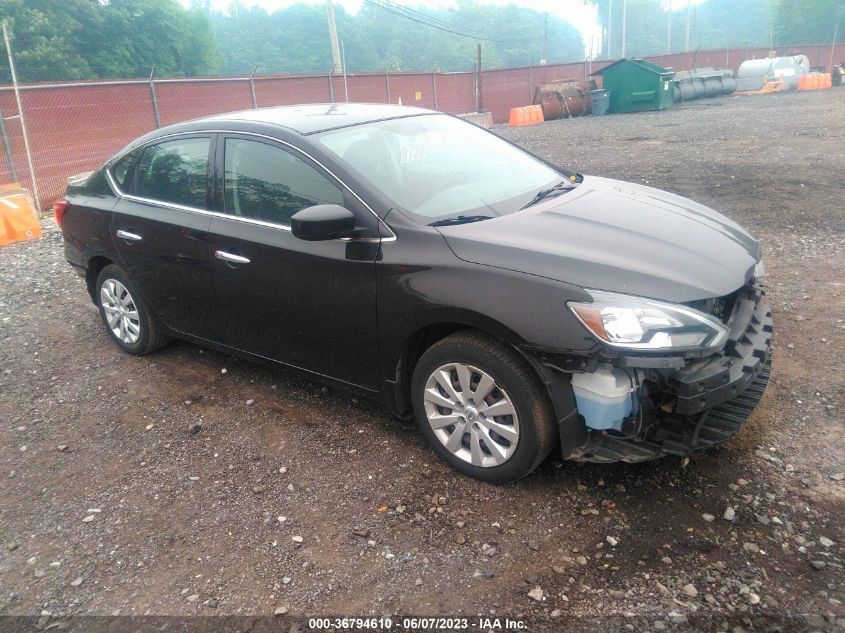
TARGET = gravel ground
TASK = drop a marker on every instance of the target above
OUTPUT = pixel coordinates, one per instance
(189, 482)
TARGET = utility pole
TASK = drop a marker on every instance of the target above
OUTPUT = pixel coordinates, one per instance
(610, 29)
(546, 37)
(624, 24)
(669, 30)
(21, 117)
(333, 35)
(343, 65)
(689, 22)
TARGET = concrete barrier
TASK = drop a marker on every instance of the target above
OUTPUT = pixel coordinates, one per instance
(483, 119)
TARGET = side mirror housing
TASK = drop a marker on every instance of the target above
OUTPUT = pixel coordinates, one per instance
(322, 222)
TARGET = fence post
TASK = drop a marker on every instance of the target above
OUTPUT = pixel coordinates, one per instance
(387, 84)
(480, 89)
(530, 82)
(252, 88)
(154, 97)
(434, 88)
(8, 146)
(475, 89)
(21, 117)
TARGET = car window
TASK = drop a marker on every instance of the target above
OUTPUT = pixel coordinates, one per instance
(121, 171)
(175, 171)
(267, 183)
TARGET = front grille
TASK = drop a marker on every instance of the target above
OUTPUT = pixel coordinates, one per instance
(719, 307)
(708, 381)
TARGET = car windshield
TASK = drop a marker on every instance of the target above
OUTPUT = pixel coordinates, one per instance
(437, 167)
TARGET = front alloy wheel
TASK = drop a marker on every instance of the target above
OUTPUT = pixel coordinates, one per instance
(471, 415)
(482, 407)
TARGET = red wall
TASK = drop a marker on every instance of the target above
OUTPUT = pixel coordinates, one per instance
(188, 100)
(291, 90)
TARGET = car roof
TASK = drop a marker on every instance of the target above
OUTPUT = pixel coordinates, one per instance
(311, 118)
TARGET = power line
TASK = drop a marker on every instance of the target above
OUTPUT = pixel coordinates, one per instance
(423, 16)
(420, 18)
(416, 16)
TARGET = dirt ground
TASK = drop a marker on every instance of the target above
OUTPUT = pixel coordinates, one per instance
(114, 501)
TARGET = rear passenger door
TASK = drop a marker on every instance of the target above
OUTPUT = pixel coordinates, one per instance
(311, 305)
(160, 228)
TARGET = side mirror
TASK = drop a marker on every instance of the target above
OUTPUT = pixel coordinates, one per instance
(322, 222)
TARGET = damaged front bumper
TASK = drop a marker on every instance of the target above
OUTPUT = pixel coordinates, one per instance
(691, 408)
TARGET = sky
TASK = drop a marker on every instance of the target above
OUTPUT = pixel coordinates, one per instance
(582, 16)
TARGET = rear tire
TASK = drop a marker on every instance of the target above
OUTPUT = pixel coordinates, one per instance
(482, 408)
(125, 315)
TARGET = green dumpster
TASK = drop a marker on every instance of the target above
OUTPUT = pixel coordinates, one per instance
(636, 85)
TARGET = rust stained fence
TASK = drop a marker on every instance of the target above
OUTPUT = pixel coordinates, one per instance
(74, 126)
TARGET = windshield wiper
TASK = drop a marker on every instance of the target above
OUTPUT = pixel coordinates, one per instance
(461, 219)
(555, 190)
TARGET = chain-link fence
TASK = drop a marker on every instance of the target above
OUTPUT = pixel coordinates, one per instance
(74, 126)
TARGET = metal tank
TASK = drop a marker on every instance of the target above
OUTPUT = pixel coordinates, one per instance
(753, 73)
(565, 98)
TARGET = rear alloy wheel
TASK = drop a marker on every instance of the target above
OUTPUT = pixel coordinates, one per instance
(482, 408)
(121, 312)
(126, 317)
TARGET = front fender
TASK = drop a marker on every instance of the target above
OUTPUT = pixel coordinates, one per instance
(422, 283)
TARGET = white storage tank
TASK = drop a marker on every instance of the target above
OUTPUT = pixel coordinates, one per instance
(753, 72)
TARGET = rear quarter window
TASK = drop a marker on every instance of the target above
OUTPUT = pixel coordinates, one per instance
(123, 169)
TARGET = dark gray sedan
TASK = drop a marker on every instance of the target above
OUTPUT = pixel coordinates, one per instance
(512, 305)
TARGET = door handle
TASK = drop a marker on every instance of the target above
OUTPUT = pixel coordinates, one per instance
(230, 257)
(126, 235)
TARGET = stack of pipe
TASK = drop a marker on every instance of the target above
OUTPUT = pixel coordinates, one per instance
(703, 83)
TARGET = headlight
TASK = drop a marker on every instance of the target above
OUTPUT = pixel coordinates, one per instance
(646, 324)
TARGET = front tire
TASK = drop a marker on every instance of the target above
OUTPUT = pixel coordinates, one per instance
(482, 408)
(125, 315)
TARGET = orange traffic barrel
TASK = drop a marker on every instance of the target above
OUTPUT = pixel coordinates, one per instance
(814, 81)
(18, 219)
(526, 115)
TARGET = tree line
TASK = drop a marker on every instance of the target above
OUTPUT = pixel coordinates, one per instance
(58, 40)
(657, 26)
(296, 39)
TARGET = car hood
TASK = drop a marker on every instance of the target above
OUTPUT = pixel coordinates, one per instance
(616, 236)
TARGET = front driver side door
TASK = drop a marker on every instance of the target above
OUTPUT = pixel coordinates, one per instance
(311, 305)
